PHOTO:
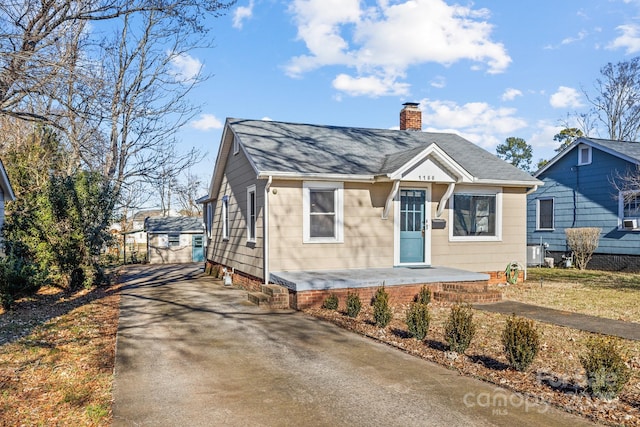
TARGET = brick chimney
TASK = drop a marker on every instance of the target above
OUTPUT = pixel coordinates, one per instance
(411, 117)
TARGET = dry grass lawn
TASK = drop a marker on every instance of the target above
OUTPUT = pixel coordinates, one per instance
(56, 358)
(605, 294)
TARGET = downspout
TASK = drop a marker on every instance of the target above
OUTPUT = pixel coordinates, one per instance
(445, 197)
(390, 197)
(530, 191)
(265, 232)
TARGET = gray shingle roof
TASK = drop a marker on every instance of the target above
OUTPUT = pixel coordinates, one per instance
(627, 148)
(315, 149)
(169, 224)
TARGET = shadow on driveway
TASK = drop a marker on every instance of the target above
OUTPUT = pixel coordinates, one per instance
(193, 352)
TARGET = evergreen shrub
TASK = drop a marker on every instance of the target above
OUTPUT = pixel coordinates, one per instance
(520, 342)
(459, 328)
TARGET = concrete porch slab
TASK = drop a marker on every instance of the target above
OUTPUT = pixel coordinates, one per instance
(300, 281)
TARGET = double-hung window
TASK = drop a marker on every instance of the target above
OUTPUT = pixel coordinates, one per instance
(476, 215)
(174, 239)
(225, 217)
(629, 210)
(584, 154)
(251, 213)
(322, 206)
(544, 214)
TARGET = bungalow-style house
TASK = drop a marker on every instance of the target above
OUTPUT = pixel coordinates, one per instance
(174, 239)
(312, 207)
(584, 187)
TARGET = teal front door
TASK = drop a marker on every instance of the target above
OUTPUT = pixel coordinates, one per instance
(412, 226)
(198, 248)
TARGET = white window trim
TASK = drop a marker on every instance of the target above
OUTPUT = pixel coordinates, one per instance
(553, 214)
(169, 236)
(306, 211)
(478, 192)
(209, 211)
(251, 234)
(589, 155)
(224, 215)
(621, 217)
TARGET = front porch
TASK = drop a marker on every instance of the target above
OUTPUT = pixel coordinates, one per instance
(310, 288)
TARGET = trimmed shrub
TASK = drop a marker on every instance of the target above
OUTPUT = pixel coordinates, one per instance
(418, 319)
(520, 342)
(424, 297)
(583, 241)
(331, 302)
(605, 369)
(381, 311)
(459, 328)
(353, 304)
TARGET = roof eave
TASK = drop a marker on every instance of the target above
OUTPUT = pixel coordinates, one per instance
(296, 176)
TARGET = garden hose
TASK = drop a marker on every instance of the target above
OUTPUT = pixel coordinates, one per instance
(511, 272)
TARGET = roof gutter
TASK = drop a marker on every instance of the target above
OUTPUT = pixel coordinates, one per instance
(317, 176)
(532, 190)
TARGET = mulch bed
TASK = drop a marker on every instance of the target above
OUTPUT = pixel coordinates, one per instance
(555, 377)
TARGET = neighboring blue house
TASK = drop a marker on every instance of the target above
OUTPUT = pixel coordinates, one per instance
(582, 188)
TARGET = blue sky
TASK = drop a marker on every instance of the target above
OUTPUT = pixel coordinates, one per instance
(486, 70)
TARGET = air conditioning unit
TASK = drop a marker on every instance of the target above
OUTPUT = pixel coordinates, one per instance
(534, 255)
(630, 224)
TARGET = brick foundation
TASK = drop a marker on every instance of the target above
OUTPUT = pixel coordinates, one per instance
(246, 281)
(472, 292)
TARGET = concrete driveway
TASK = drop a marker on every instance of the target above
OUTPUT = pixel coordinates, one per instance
(191, 352)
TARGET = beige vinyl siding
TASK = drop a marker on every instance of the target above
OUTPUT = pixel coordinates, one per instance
(483, 256)
(368, 239)
(160, 253)
(237, 251)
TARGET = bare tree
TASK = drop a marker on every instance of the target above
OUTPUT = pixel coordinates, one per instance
(116, 97)
(34, 52)
(616, 102)
(188, 192)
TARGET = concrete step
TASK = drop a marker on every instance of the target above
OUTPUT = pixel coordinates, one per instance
(468, 296)
(480, 286)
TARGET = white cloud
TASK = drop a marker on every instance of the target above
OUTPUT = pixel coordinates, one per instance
(477, 121)
(569, 40)
(510, 94)
(439, 82)
(241, 14)
(566, 97)
(185, 67)
(371, 86)
(206, 122)
(386, 39)
(629, 40)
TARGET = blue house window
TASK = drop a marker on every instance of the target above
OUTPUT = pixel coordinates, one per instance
(584, 155)
(544, 216)
(629, 210)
